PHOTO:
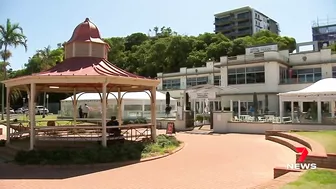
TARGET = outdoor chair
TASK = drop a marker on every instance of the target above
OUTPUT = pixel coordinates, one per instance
(269, 118)
(276, 120)
(261, 119)
(236, 119)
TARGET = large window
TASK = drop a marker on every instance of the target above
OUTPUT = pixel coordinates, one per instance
(193, 81)
(246, 75)
(309, 75)
(217, 80)
(283, 74)
(171, 84)
(334, 72)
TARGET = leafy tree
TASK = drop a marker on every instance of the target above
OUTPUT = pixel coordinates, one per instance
(11, 35)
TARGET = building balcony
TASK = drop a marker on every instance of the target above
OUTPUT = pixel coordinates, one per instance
(243, 33)
(244, 25)
(220, 22)
(254, 58)
(223, 29)
(295, 81)
(243, 18)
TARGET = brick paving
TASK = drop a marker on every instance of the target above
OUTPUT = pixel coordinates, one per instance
(230, 161)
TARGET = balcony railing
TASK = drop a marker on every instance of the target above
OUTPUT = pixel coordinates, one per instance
(297, 81)
(258, 57)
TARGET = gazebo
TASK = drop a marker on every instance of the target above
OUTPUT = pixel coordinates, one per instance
(84, 69)
(323, 90)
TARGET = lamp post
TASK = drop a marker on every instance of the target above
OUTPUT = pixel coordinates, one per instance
(44, 102)
(23, 104)
(47, 96)
(196, 76)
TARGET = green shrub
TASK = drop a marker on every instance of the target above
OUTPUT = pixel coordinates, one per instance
(2, 143)
(199, 118)
(114, 153)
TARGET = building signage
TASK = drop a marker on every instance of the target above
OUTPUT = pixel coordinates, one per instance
(252, 50)
(203, 95)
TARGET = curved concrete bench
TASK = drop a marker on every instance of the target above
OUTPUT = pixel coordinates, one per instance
(316, 148)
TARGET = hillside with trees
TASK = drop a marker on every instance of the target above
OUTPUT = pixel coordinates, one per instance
(163, 51)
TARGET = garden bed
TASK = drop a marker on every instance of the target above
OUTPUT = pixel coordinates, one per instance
(118, 152)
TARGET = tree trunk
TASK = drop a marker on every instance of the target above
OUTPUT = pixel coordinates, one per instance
(3, 86)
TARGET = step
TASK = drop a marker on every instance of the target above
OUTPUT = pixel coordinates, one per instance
(287, 142)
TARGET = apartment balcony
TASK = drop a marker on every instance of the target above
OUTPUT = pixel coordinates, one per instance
(243, 18)
(220, 22)
(244, 25)
(243, 33)
(223, 29)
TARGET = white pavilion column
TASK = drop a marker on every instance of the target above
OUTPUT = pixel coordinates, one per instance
(119, 102)
(292, 110)
(74, 104)
(301, 106)
(32, 115)
(194, 105)
(153, 112)
(231, 105)
(239, 109)
(8, 115)
(319, 111)
(104, 100)
(280, 108)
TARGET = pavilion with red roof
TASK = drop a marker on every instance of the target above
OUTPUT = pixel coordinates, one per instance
(84, 69)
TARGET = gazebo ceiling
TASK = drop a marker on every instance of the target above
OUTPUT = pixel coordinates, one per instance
(80, 87)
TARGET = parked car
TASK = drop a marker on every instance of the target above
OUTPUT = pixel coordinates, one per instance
(40, 109)
(10, 110)
(21, 110)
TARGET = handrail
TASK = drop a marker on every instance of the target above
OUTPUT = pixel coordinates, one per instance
(92, 127)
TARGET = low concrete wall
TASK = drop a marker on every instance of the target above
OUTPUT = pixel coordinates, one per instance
(261, 128)
(317, 155)
(321, 162)
(280, 171)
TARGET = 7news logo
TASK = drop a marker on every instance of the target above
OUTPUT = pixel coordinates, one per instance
(300, 162)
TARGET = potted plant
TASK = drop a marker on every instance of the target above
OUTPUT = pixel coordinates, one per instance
(199, 119)
(206, 119)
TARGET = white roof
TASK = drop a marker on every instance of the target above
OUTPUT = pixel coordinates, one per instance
(324, 86)
(127, 96)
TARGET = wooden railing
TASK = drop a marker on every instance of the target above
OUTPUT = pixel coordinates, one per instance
(133, 132)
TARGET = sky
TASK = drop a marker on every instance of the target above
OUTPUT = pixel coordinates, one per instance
(47, 22)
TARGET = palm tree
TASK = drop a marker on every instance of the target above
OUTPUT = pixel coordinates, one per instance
(49, 57)
(11, 35)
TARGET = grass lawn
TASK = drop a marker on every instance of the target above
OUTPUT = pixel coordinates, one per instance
(314, 179)
(40, 121)
(326, 138)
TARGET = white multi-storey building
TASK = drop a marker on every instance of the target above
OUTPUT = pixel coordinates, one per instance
(263, 70)
(243, 21)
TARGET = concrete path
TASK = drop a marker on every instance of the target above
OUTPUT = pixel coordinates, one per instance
(231, 161)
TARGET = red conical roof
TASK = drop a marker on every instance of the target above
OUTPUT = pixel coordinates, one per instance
(86, 32)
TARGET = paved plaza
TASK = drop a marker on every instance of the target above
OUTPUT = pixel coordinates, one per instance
(231, 161)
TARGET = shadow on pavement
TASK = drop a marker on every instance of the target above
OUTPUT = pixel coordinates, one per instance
(13, 171)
